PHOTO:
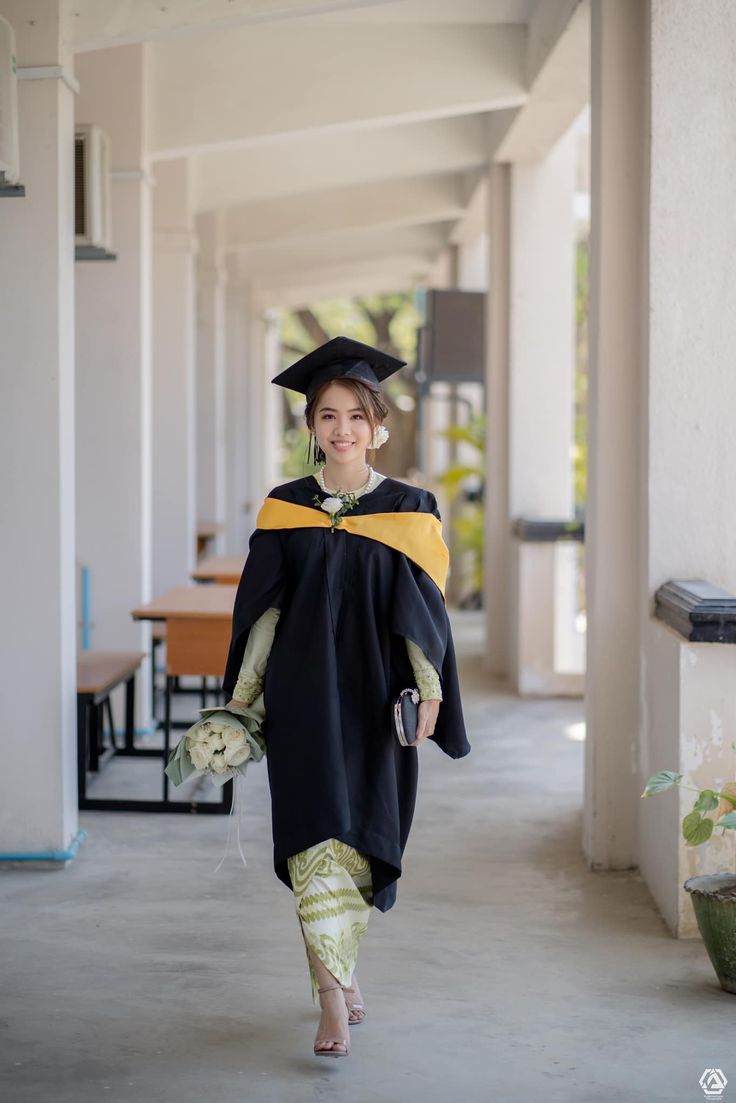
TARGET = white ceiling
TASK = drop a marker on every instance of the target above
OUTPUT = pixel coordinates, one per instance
(344, 141)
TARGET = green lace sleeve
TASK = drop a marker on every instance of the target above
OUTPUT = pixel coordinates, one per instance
(427, 678)
(257, 650)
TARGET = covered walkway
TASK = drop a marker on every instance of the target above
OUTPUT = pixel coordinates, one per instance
(141, 974)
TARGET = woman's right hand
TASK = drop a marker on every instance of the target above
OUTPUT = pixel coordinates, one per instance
(238, 704)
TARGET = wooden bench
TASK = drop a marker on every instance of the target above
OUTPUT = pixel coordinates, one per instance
(98, 674)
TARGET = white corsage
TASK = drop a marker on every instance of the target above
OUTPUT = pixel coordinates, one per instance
(336, 506)
(380, 436)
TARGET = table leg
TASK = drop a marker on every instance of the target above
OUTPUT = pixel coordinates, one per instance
(130, 713)
(82, 739)
(167, 732)
(108, 704)
(94, 735)
(154, 644)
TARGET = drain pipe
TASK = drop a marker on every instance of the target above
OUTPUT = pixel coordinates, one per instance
(46, 855)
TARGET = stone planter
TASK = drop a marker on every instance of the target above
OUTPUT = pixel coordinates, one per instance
(714, 901)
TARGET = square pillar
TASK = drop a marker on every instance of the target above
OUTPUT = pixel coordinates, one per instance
(530, 406)
(114, 375)
(616, 479)
(174, 394)
(38, 782)
(211, 419)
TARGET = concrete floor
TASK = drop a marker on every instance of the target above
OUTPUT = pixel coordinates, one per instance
(505, 971)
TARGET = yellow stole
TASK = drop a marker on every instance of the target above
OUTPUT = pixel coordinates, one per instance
(417, 535)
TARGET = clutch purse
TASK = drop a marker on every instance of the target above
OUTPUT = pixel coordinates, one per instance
(406, 716)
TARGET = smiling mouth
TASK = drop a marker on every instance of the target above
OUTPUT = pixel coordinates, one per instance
(342, 444)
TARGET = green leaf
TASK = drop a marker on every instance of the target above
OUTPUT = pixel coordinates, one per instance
(707, 801)
(729, 821)
(657, 783)
(696, 828)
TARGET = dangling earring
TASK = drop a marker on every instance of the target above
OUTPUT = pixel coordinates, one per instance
(317, 452)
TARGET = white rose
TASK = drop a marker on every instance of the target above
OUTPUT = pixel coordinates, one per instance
(200, 756)
(331, 505)
(233, 736)
(234, 756)
(216, 742)
(218, 765)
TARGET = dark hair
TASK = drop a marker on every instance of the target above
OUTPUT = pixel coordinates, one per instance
(368, 398)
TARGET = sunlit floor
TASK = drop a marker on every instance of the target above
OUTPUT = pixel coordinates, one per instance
(506, 971)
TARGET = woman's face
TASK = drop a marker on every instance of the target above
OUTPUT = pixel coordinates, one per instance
(338, 419)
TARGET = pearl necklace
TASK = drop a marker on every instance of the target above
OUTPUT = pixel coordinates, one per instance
(364, 489)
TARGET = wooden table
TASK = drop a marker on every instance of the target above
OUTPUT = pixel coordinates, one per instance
(198, 630)
(206, 531)
(223, 569)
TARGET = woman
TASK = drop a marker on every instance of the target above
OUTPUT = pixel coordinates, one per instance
(337, 610)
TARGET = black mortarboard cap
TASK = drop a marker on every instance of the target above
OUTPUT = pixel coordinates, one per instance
(342, 357)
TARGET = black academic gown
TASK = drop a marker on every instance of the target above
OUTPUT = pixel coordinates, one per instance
(338, 660)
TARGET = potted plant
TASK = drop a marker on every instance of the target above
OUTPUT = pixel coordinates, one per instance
(713, 895)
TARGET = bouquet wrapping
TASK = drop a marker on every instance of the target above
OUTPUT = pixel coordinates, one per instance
(219, 746)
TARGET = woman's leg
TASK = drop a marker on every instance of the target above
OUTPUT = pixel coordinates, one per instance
(333, 895)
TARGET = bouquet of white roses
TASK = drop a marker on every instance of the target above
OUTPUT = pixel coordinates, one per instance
(218, 746)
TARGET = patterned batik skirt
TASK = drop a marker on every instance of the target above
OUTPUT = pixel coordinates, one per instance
(333, 895)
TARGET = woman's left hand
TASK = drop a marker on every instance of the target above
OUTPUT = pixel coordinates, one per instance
(428, 712)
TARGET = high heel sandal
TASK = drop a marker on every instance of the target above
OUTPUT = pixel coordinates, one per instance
(336, 1041)
(354, 1008)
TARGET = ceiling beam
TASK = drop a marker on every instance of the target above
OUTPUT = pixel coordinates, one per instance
(255, 85)
(297, 254)
(559, 91)
(308, 164)
(385, 205)
(389, 273)
(96, 25)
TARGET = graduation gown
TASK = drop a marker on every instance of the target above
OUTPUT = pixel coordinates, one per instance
(337, 662)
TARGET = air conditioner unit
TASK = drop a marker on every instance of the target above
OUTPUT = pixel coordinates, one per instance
(92, 221)
(9, 159)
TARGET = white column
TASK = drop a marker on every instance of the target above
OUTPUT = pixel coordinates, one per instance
(472, 275)
(497, 544)
(542, 333)
(113, 391)
(38, 784)
(174, 437)
(266, 353)
(437, 409)
(541, 403)
(236, 355)
(211, 374)
(614, 593)
(472, 263)
(263, 402)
